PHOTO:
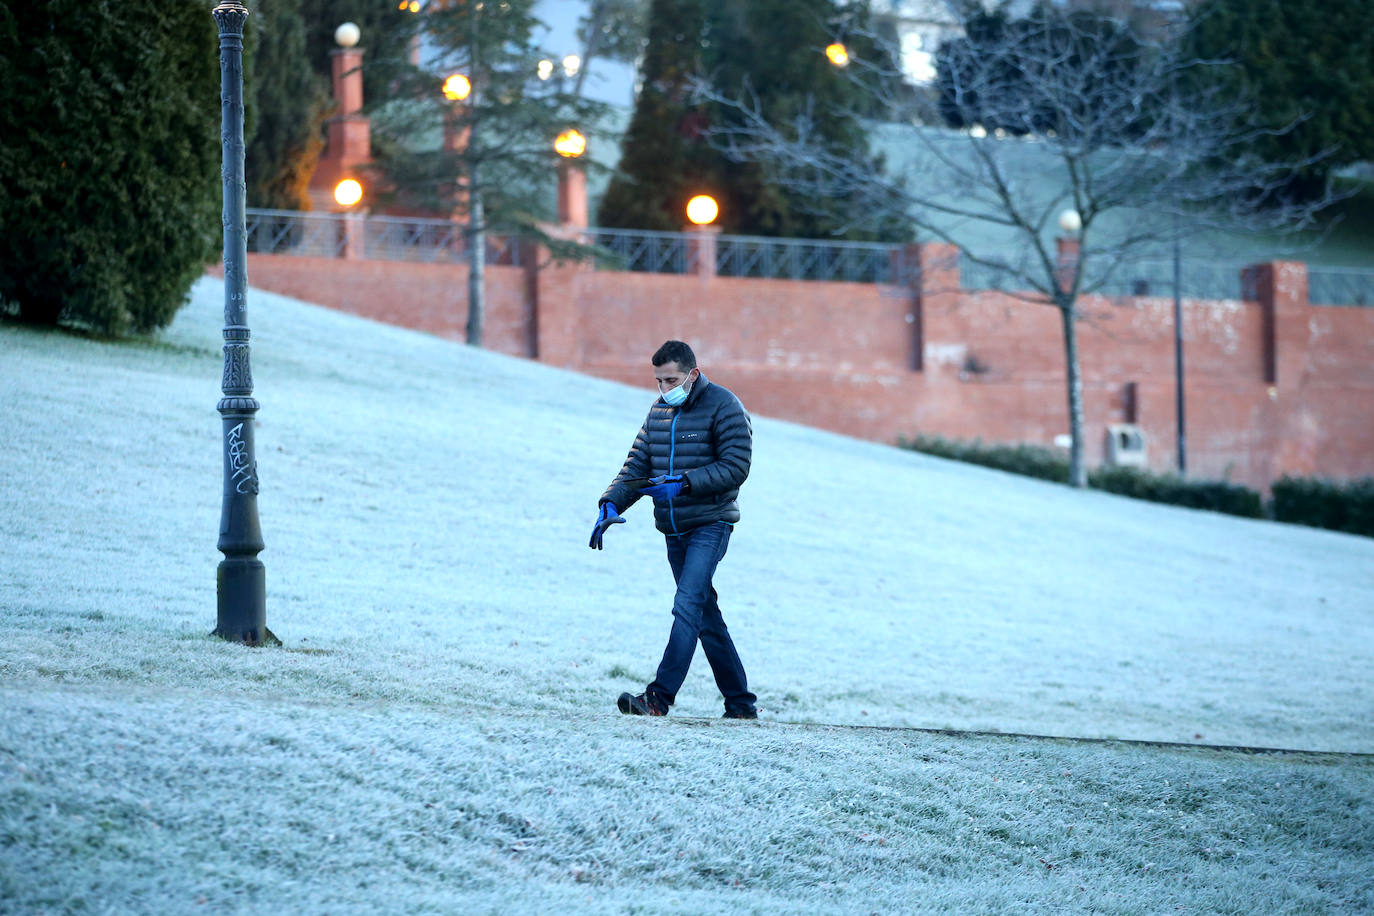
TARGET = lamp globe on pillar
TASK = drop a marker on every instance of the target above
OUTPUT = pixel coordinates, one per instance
(348, 192)
(1070, 221)
(347, 35)
(457, 87)
(702, 210)
(571, 145)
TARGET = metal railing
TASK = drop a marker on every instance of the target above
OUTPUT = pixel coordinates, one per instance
(388, 238)
(752, 256)
(1340, 286)
(1199, 280)
(382, 238)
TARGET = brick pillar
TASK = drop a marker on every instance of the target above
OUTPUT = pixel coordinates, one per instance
(355, 236)
(572, 194)
(701, 250)
(906, 271)
(349, 147)
(552, 290)
(1067, 251)
(1280, 288)
(939, 291)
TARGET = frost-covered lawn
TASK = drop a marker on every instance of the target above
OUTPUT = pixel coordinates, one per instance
(438, 733)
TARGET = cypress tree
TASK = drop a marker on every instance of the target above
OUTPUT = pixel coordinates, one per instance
(110, 203)
(771, 49)
(665, 159)
(288, 104)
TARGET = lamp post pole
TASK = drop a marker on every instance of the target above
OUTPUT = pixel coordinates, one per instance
(241, 577)
(1175, 17)
(1178, 352)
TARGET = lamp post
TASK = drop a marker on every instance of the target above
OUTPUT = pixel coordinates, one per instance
(1178, 352)
(1174, 16)
(241, 577)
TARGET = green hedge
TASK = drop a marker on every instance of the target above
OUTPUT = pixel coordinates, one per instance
(1216, 495)
(1326, 504)
(1029, 460)
(1049, 464)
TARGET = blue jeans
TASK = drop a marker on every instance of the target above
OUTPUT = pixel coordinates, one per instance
(694, 556)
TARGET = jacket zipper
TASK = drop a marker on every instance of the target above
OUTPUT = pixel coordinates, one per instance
(672, 452)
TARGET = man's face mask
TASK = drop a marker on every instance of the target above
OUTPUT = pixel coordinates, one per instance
(675, 396)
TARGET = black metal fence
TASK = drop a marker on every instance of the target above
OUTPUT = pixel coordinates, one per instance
(1340, 286)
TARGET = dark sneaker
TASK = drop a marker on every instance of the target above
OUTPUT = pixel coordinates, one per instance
(640, 705)
(738, 713)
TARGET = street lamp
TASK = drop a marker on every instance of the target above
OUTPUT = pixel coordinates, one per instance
(348, 192)
(837, 54)
(702, 210)
(457, 87)
(570, 144)
(241, 580)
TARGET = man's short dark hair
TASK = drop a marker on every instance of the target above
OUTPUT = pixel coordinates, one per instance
(675, 351)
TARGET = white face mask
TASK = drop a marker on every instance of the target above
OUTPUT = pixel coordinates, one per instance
(675, 396)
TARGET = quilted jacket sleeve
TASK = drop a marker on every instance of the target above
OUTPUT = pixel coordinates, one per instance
(733, 434)
(637, 464)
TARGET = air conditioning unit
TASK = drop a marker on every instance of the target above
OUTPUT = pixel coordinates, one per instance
(1125, 445)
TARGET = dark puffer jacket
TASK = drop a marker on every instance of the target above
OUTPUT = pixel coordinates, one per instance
(709, 440)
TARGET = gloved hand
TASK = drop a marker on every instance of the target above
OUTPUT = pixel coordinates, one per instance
(608, 516)
(664, 487)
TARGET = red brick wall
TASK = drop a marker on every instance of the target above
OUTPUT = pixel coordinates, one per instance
(1272, 385)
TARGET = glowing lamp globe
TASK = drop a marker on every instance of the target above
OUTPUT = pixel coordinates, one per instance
(570, 144)
(702, 210)
(348, 192)
(457, 87)
(838, 54)
(347, 35)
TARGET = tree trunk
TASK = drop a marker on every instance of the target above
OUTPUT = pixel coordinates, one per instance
(477, 263)
(1078, 474)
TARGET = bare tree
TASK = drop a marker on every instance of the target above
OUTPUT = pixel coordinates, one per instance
(1054, 112)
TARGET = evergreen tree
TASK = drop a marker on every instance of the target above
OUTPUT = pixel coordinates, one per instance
(288, 103)
(769, 50)
(110, 198)
(1308, 64)
(665, 158)
(493, 168)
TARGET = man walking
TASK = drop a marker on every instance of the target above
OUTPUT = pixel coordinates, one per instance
(690, 456)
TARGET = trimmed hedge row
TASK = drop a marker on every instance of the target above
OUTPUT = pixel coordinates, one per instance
(1345, 507)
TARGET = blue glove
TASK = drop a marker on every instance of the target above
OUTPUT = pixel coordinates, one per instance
(608, 516)
(664, 487)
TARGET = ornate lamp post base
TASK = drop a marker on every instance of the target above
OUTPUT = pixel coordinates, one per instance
(242, 587)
